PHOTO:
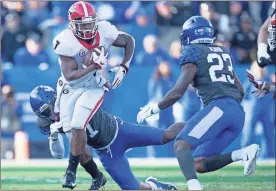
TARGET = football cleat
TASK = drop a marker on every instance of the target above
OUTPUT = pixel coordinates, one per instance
(157, 185)
(69, 180)
(98, 183)
(250, 154)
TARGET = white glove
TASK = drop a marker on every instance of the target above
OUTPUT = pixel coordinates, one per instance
(101, 58)
(262, 88)
(147, 112)
(120, 73)
(101, 81)
(263, 57)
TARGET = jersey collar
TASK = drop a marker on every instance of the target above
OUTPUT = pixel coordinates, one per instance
(95, 43)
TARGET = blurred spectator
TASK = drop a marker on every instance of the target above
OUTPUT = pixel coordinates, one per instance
(8, 6)
(152, 54)
(173, 13)
(60, 9)
(112, 11)
(160, 83)
(235, 13)
(220, 22)
(221, 40)
(32, 54)
(35, 13)
(14, 36)
(10, 123)
(263, 111)
(4, 79)
(175, 51)
(245, 40)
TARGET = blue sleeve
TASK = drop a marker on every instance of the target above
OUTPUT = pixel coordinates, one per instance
(189, 54)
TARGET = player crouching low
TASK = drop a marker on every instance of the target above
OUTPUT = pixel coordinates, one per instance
(110, 136)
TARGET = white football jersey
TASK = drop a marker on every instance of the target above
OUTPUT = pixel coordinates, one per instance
(67, 44)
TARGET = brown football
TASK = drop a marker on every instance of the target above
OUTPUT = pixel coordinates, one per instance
(88, 58)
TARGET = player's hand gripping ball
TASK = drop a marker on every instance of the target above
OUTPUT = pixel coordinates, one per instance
(96, 56)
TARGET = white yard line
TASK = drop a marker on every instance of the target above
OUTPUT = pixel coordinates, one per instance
(139, 162)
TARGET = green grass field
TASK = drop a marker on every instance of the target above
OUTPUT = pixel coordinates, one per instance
(50, 178)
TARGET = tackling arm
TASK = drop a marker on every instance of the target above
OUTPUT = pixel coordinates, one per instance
(188, 72)
(56, 145)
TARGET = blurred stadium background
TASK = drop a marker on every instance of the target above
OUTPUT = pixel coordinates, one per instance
(28, 60)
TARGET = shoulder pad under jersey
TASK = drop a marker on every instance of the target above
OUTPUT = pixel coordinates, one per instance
(189, 54)
(107, 30)
(66, 44)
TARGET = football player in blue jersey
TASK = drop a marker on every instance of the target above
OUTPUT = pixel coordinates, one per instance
(209, 69)
(110, 136)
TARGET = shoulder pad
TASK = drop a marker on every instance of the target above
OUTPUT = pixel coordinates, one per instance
(107, 30)
(65, 44)
(189, 54)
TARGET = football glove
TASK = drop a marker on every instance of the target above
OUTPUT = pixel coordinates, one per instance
(101, 58)
(120, 73)
(147, 111)
(263, 57)
(101, 81)
(262, 88)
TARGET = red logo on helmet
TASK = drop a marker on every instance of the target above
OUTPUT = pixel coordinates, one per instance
(83, 20)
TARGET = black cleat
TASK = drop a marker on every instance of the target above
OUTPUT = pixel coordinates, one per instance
(69, 180)
(98, 183)
(157, 185)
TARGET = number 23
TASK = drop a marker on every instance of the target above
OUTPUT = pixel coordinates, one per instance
(214, 68)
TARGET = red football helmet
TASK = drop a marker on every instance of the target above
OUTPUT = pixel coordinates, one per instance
(83, 20)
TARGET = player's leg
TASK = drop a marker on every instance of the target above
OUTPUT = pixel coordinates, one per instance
(91, 168)
(119, 169)
(201, 128)
(87, 162)
(208, 157)
(116, 163)
(85, 107)
(67, 104)
(142, 135)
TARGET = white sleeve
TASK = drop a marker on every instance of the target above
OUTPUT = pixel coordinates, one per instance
(57, 146)
(64, 44)
(110, 31)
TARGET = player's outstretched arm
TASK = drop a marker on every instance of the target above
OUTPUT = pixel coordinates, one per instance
(56, 145)
(127, 42)
(70, 69)
(188, 72)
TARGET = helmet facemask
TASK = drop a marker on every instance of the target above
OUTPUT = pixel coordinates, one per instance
(46, 111)
(85, 28)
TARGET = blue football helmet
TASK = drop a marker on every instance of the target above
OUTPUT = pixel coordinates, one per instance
(42, 100)
(197, 30)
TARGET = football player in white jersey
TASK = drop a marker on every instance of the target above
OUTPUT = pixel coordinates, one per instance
(78, 92)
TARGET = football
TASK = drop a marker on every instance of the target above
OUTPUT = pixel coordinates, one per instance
(88, 58)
